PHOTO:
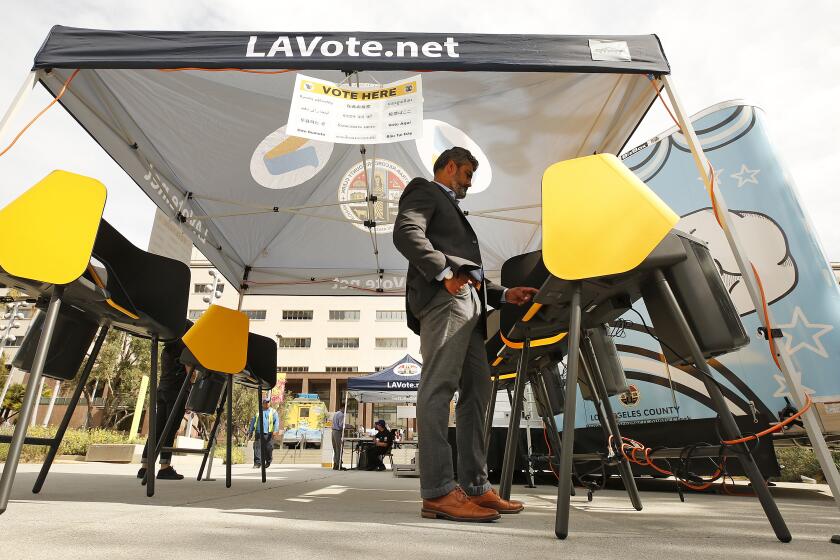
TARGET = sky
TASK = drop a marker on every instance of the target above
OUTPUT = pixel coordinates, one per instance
(781, 56)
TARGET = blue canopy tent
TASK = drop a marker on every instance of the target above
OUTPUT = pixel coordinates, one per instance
(398, 383)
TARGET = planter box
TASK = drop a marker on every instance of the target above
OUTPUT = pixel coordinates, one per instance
(114, 452)
(185, 442)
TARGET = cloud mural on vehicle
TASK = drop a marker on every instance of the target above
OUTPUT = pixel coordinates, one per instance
(764, 242)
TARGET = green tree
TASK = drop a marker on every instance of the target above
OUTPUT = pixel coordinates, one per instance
(119, 368)
(14, 397)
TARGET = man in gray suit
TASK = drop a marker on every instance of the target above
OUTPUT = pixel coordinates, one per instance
(446, 304)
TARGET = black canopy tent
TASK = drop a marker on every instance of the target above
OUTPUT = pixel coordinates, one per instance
(184, 113)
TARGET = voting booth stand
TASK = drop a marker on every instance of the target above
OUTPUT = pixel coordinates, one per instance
(282, 157)
(87, 277)
(223, 352)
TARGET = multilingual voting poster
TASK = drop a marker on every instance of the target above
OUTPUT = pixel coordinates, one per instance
(347, 114)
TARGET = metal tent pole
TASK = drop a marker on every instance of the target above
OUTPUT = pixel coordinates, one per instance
(18, 101)
(809, 419)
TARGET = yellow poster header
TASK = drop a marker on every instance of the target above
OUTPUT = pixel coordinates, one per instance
(331, 90)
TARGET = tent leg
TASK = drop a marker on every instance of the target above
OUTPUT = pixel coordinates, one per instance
(812, 426)
(341, 445)
(18, 101)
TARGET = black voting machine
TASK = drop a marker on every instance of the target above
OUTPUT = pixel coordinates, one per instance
(213, 391)
(124, 288)
(690, 308)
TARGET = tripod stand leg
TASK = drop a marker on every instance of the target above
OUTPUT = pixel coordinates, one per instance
(488, 419)
(608, 421)
(71, 408)
(728, 425)
(561, 523)
(151, 439)
(541, 394)
(30, 398)
(207, 460)
(512, 441)
(171, 419)
(229, 432)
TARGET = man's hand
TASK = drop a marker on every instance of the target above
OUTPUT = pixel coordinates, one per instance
(520, 295)
(454, 284)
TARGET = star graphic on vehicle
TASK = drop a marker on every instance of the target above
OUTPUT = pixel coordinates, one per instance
(718, 173)
(746, 175)
(783, 391)
(799, 334)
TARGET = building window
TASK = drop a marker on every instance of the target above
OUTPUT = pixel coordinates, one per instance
(27, 312)
(255, 314)
(297, 314)
(194, 314)
(342, 342)
(16, 342)
(342, 369)
(390, 315)
(377, 369)
(392, 343)
(292, 369)
(285, 342)
(351, 315)
(205, 288)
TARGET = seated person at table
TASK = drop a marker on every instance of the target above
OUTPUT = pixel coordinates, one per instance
(382, 443)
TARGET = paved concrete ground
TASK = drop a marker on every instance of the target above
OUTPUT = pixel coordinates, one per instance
(94, 510)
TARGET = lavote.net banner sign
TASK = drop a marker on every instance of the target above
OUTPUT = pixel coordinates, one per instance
(366, 114)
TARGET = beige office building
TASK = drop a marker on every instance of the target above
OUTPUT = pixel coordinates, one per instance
(322, 340)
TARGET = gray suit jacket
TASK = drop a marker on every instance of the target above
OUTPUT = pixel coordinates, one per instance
(432, 232)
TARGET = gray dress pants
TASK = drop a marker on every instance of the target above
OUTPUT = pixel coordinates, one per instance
(336, 443)
(454, 359)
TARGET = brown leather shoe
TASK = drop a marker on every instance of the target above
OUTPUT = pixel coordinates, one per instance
(492, 500)
(457, 506)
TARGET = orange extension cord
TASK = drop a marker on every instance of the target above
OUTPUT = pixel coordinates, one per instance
(38, 116)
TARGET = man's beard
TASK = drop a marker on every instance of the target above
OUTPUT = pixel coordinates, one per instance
(460, 192)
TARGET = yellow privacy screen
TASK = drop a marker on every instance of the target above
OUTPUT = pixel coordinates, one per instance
(219, 339)
(48, 232)
(598, 218)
